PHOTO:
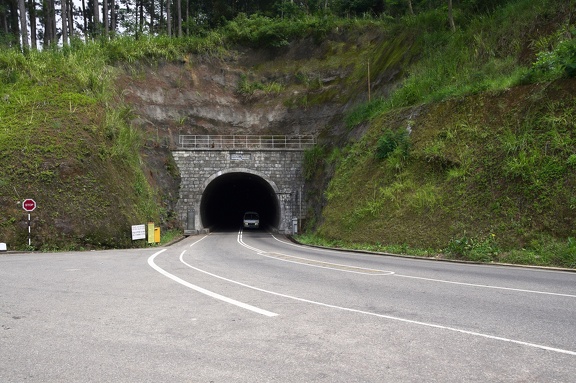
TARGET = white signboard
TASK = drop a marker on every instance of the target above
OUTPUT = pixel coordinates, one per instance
(239, 156)
(138, 232)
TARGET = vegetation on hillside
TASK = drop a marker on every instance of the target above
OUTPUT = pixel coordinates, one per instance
(473, 157)
(465, 148)
(65, 143)
(51, 22)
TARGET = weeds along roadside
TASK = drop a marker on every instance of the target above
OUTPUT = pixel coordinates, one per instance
(61, 132)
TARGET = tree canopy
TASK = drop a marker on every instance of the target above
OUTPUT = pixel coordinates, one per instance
(29, 24)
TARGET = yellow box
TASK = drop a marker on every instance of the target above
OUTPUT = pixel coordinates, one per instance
(157, 234)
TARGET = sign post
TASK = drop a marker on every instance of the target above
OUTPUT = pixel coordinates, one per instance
(29, 205)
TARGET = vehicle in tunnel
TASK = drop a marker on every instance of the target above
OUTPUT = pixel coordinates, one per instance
(227, 197)
(251, 220)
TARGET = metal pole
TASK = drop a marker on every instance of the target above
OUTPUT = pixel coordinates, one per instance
(300, 203)
(29, 239)
(369, 98)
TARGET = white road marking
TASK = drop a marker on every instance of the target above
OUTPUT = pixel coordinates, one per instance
(486, 286)
(204, 291)
(403, 320)
(392, 273)
(312, 262)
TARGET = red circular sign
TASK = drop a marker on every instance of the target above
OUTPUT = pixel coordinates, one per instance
(29, 204)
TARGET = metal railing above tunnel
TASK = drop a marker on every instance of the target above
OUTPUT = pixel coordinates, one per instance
(238, 142)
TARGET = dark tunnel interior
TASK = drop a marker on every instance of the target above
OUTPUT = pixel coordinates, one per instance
(229, 196)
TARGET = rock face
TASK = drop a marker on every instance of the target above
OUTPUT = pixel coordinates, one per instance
(248, 93)
(304, 89)
(203, 97)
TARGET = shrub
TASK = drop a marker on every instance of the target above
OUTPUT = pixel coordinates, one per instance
(556, 63)
(390, 141)
(473, 249)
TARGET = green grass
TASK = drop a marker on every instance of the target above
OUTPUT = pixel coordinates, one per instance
(484, 177)
(466, 152)
(481, 56)
(552, 253)
(64, 143)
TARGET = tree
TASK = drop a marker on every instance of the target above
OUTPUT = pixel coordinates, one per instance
(64, 22)
(179, 17)
(85, 20)
(105, 17)
(113, 17)
(168, 19)
(96, 17)
(10, 22)
(70, 16)
(451, 16)
(32, 13)
(23, 25)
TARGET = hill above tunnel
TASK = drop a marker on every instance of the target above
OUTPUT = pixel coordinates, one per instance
(430, 141)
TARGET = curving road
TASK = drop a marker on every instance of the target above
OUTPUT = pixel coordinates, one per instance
(254, 307)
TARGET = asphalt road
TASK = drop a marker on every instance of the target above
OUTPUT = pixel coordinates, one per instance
(251, 307)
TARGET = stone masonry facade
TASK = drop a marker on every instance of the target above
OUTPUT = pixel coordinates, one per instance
(281, 169)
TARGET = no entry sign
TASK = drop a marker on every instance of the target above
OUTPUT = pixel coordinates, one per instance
(29, 204)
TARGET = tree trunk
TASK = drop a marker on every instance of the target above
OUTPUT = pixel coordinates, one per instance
(179, 17)
(451, 17)
(153, 20)
(64, 22)
(168, 19)
(4, 21)
(105, 18)
(410, 9)
(32, 13)
(96, 17)
(113, 17)
(23, 25)
(84, 18)
(70, 19)
(141, 25)
(49, 33)
(52, 22)
(12, 25)
(46, 21)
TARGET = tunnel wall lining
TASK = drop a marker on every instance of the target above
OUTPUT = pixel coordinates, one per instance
(281, 169)
(240, 170)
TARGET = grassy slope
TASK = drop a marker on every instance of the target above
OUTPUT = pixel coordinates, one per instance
(61, 145)
(473, 173)
(486, 174)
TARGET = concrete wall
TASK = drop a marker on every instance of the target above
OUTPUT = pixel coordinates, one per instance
(281, 169)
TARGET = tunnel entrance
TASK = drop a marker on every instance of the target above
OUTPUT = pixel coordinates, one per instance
(227, 197)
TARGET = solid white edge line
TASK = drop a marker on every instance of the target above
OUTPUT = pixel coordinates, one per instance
(487, 286)
(431, 325)
(459, 283)
(487, 336)
(204, 291)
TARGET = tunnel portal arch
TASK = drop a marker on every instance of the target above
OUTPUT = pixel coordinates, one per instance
(274, 177)
(229, 193)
